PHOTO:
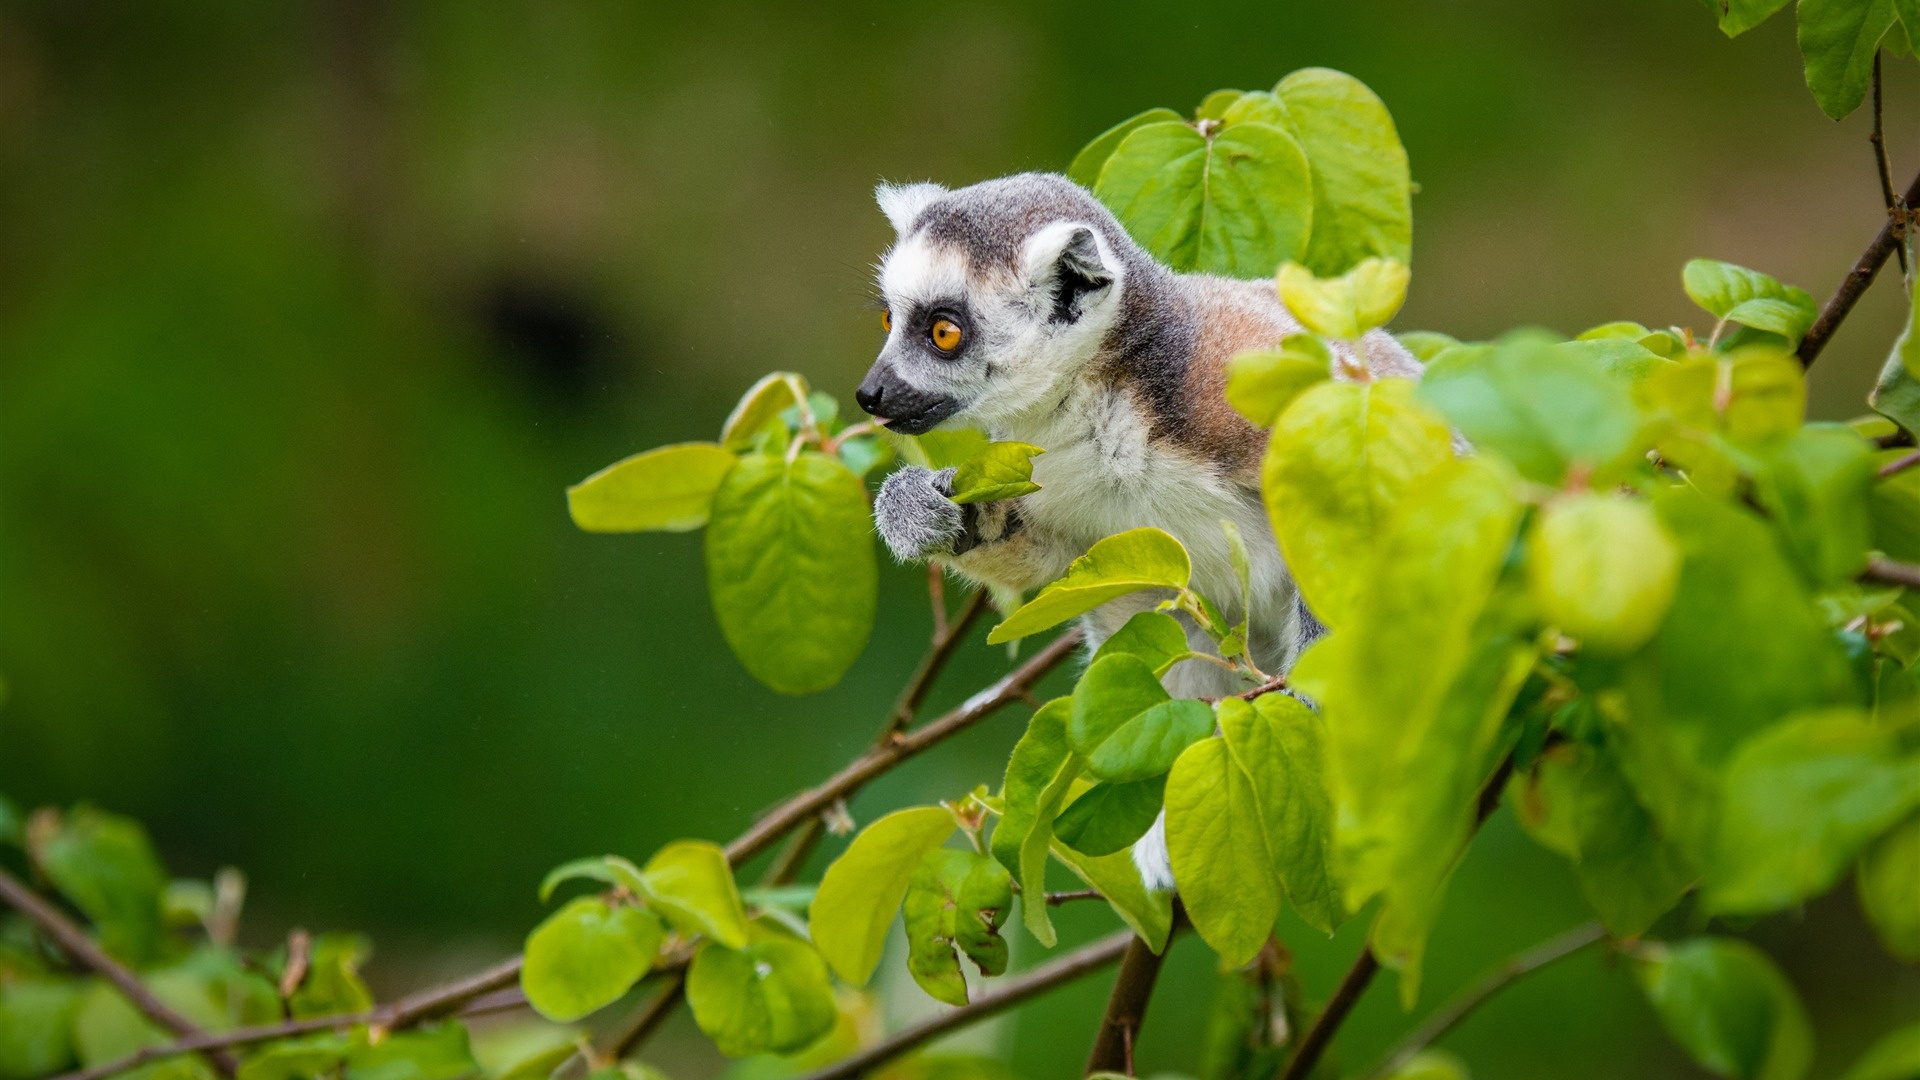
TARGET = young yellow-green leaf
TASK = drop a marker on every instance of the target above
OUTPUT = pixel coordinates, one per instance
(1108, 817)
(1263, 382)
(593, 868)
(1087, 164)
(763, 403)
(1739, 16)
(1342, 458)
(1889, 886)
(1276, 741)
(1238, 202)
(1256, 107)
(106, 866)
(1124, 725)
(1817, 485)
(957, 899)
(791, 568)
(1117, 878)
(1728, 1007)
(1125, 563)
(940, 449)
(862, 890)
(1365, 297)
(772, 997)
(36, 1022)
(1749, 297)
(665, 490)
(1751, 395)
(690, 883)
(1895, 1057)
(1801, 800)
(1035, 846)
(440, 1052)
(1545, 410)
(586, 955)
(1153, 636)
(1216, 105)
(1036, 759)
(1362, 187)
(1576, 802)
(1002, 470)
(1602, 569)
(333, 984)
(1838, 39)
(1218, 848)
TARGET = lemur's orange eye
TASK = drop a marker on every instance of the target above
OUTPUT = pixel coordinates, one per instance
(886, 320)
(945, 334)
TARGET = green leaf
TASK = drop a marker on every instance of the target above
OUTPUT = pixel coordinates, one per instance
(1117, 878)
(1889, 886)
(592, 868)
(1124, 725)
(1576, 802)
(1739, 16)
(441, 1052)
(1362, 188)
(1034, 848)
(1263, 382)
(1087, 164)
(956, 899)
(941, 449)
(1749, 297)
(1109, 817)
(1277, 742)
(1817, 485)
(1837, 41)
(1896, 395)
(1345, 307)
(333, 984)
(690, 883)
(1802, 799)
(1426, 345)
(1238, 203)
(791, 568)
(1895, 1057)
(1215, 105)
(1603, 569)
(1342, 458)
(1036, 759)
(586, 955)
(105, 864)
(1001, 470)
(1546, 411)
(1430, 1065)
(298, 1059)
(36, 1020)
(762, 404)
(1728, 1007)
(862, 890)
(1893, 508)
(665, 490)
(1124, 563)
(1751, 395)
(1217, 844)
(1154, 637)
(774, 996)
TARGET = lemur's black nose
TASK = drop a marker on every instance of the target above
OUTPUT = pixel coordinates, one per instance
(868, 396)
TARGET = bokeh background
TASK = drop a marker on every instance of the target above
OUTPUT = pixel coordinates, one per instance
(309, 311)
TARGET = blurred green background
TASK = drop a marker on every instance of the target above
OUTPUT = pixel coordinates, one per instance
(309, 311)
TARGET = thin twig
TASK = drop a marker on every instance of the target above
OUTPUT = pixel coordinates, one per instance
(75, 943)
(1127, 1005)
(1055, 899)
(1449, 1015)
(1082, 961)
(1900, 464)
(1888, 572)
(1857, 280)
(1879, 140)
(1318, 1037)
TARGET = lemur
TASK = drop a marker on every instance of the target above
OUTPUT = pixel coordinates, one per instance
(1021, 306)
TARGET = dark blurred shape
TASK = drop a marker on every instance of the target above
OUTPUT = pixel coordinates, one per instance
(552, 338)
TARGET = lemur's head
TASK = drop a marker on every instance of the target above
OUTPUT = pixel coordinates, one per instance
(995, 295)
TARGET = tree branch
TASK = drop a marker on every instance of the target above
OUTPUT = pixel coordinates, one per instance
(1900, 464)
(1515, 967)
(75, 943)
(1885, 172)
(1012, 992)
(1888, 572)
(1127, 1006)
(1366, 966)
(1857, 279)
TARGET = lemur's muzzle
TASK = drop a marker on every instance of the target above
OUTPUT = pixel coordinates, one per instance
(902, 408)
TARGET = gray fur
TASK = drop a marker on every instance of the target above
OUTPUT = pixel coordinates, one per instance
(916, 517)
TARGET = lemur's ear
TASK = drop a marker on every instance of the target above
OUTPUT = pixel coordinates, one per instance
(903, 202)
(1066, 258)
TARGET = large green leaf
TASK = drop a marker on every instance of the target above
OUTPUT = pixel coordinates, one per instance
(1035, 760)
(1895, 1057)
(1739, 16)
(1603, 569)
(1544, 410)
(691, 883)
(791, 568)
(1348, 305)
(1889, 884)
(1002, 470)
(1117, 878)
(1362, 188)
(106, 866)
(1749, 297)
(1817, 486)
(1576, 802)
(957, 899)
(1124, 725)
(586, 955)
(1155, 637)
(1729, 1007)
(36, 1021)
(1087, 164)
(1277, 742)
(774, 996)
(666, 490)
(1108, 817)
(1037, 844)
(1838, 39)
(1217, 843)
(1124, 563)
(1238, 201)
(1342, 458)
(862, 890)
(1802, 799)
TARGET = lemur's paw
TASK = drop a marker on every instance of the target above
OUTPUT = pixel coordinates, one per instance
(916, 516)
